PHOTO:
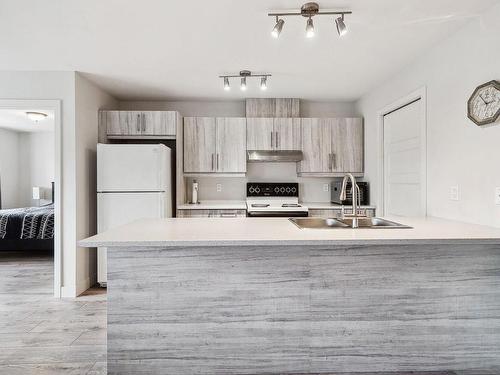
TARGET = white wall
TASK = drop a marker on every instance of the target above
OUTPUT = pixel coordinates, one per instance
(36, 166)
(89, 100)
(9, 168)
(459, 152)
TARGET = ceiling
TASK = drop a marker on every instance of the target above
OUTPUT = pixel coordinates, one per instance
(14, 119)
(157, 49)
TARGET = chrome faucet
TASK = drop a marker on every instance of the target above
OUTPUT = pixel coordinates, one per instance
(355, 198)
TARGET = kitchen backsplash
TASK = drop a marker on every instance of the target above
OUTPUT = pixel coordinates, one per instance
(311, 189)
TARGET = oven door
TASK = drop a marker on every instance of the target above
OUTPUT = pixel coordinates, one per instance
(277, 214)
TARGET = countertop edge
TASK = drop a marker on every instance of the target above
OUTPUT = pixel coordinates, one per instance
(226, 243)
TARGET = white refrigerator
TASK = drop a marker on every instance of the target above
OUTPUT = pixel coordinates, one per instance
(133, 182)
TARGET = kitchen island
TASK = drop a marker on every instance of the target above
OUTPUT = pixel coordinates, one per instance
(253, 296)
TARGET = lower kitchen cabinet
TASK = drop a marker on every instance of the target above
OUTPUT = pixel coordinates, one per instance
(337, 212)
(211, 213)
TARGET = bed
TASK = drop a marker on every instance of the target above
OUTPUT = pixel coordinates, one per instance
(30, 228)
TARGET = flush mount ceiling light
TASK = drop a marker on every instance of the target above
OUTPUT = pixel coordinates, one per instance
(243, 75)
(309, 10)
(36, 116)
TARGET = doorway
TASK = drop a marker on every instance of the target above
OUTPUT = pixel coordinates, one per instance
(404, 175)
(31, 188)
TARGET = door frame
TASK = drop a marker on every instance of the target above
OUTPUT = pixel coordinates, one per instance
(55, 107)
(419, 94)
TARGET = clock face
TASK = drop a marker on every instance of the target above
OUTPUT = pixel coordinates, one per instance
(484, 104)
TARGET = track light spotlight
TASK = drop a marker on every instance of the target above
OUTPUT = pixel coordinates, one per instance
(243, 85)
(278, 27)
(263, 83)
(341, 27)
(309, 28)
(227, 87)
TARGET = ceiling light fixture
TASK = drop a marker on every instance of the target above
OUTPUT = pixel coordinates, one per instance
(278, 27)
(243, 75)
(310, 28)
(227, 87)
(36, 116)
(341, 27)
(309, 10)
(263, 83)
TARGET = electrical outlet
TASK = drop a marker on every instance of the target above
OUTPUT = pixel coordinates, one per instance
(326, 187)
(218, 187)
(454, 193)
(497, 196)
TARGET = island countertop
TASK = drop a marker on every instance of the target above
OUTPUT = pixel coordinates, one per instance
(280, 231)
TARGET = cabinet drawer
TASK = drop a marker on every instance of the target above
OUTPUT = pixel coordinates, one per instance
(212, 213)
(337, 212)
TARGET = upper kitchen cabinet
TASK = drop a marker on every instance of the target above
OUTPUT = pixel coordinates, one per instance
(214, 145)
(139, 124)
(231, 145)
(331, 147)
(260, 133)
(273, 134)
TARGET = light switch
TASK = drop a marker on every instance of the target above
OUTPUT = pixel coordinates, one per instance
(497, 196)
(326, 187)
(218, 187)
(454, 193)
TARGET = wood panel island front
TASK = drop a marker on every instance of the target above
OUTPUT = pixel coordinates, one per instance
(261, 296)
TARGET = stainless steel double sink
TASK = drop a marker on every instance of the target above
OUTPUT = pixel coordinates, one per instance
(345, 223)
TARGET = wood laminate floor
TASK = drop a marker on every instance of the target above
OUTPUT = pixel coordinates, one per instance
(40, 334)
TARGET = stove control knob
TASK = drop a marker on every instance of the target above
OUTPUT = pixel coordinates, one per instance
(276, 190)
(251, 189)
(288, 190)
(257, 190)
(282, 189)
(294, 190)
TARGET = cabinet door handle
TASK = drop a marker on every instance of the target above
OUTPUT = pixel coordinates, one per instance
(138, 123)
(277, 140)
(272, 140)
(334, 161)
(217, 161)
(212, 162)
(330, 161)
(143, 122)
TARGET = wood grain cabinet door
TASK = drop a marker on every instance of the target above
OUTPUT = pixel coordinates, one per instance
(316, 145)
(347, 145)
(134, 122)
(161, 123)
(117, 122)
(199, 144)
(231, 145)
(287, 134)
(260, 134)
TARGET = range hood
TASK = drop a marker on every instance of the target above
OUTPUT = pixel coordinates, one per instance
(283, 156)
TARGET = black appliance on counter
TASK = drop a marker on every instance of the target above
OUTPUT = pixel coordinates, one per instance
(336, 188)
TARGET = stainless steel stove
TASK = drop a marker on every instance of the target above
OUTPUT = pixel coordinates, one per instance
(274, 200)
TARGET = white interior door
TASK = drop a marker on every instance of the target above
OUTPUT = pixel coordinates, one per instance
(404, 161)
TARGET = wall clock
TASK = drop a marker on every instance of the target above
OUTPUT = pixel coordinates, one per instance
(483, 106)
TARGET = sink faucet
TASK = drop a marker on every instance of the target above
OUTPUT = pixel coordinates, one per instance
(355, 197)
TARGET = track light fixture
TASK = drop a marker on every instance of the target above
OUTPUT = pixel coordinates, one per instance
(309, 10)
(341, 27)
(243, 75)
(278, 27)
(227, 87)
(263, 83)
